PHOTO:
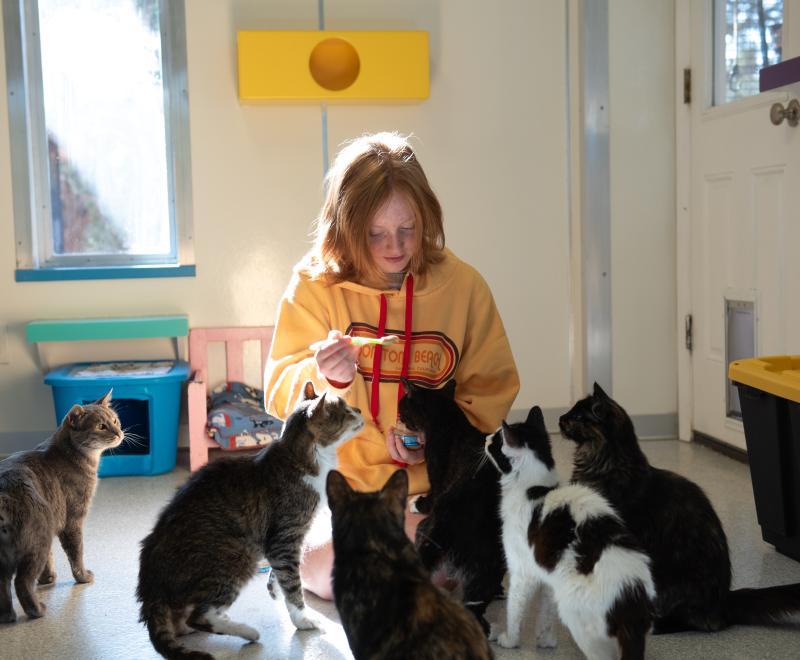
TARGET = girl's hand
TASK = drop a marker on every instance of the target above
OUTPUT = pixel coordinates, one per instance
(336, 358)
(399, 452)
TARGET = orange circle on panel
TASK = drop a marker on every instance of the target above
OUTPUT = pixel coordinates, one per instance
(334, 64)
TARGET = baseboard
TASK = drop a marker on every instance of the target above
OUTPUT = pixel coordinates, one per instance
(648, 427)
(721, 447)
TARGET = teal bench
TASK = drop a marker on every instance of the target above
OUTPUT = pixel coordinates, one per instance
(124, 328)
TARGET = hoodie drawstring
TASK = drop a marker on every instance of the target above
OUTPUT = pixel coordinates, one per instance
(375, 404)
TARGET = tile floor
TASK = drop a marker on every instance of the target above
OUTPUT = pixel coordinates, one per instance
(99, 621)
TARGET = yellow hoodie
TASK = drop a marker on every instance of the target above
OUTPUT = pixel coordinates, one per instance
(456, 332)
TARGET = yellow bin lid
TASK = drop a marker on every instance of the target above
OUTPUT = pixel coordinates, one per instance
(776, 374)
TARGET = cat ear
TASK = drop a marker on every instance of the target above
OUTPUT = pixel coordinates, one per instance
(450, 389)
(535, 417)
(74, 416)
(337, 488)
(308, 391)
(105, 399)
(408, 386)
(318, 405)
(599, 392)
(395, 492)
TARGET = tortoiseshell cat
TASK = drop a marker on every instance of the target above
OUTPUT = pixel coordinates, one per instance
(231, 513)
(46, 492)
(674, 522)
(462, 534)
(388, 606)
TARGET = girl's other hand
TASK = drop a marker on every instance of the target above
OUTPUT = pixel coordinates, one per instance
(399, 452)
(336, 358)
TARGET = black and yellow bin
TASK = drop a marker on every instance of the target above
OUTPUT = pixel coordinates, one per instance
(769, 391)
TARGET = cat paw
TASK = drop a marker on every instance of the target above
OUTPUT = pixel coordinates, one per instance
(8, 617)
(547, 639)
(36, 613)
(245, 632)
(47, 578)
(305, 619)
(507, 641)
(87, 577)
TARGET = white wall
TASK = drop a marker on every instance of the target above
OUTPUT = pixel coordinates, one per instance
(491, 137)
(493, 140)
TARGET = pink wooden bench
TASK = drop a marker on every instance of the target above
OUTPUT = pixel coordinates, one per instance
(197, 394)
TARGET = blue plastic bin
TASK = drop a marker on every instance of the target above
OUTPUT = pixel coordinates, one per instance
(148, 406)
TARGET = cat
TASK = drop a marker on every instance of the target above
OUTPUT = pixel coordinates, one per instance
(208, 539)
(387, 604)
(673, 520)
(461, 535)
(47, 491)
(571, 540)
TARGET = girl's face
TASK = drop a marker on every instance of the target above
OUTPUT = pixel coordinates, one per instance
(391, 235)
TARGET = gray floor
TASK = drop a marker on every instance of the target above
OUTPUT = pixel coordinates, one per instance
(100, 620)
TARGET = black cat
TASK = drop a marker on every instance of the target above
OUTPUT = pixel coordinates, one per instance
(673, 520)
(462, 534)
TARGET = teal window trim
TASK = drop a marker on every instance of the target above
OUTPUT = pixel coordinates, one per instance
(101, 273)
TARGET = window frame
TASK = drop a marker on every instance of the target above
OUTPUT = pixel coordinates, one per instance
(29, 159)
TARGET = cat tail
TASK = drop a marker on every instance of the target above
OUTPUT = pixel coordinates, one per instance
(158, 620)
(767, 606)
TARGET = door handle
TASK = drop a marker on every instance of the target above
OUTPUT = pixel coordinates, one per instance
(791, 113)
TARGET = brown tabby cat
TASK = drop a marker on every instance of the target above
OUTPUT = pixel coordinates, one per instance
(47, 491)
(388, 606)
(232, 512)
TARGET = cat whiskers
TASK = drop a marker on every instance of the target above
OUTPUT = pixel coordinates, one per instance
(129, 439)
(422, 535)
(479, 460)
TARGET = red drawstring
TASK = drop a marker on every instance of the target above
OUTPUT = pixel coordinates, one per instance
(407, 343)
(375, 404)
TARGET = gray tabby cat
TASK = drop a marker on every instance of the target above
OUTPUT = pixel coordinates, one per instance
(45, 492)
(232, 512)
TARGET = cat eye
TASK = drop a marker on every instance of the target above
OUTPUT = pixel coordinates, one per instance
(102, 426)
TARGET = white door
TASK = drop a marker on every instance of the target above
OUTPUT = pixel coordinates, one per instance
(739, 223)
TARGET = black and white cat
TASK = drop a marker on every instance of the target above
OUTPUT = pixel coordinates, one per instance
(673, 520)
(571, 540)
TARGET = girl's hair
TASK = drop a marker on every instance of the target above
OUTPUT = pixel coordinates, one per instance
(362, 178)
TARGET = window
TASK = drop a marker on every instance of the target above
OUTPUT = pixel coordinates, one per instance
(98, 113)
(747, 37)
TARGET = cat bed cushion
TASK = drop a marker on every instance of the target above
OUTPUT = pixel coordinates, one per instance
(236, 417)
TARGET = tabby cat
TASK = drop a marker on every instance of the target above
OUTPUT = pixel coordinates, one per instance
(231, 513)
(673, 520)
(569, 539)
(46, 492)
(387, 604)
(461, 536)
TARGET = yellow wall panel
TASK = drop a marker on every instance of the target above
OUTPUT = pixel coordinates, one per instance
(332, 64)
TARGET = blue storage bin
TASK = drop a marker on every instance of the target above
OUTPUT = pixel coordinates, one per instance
(147, 399)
